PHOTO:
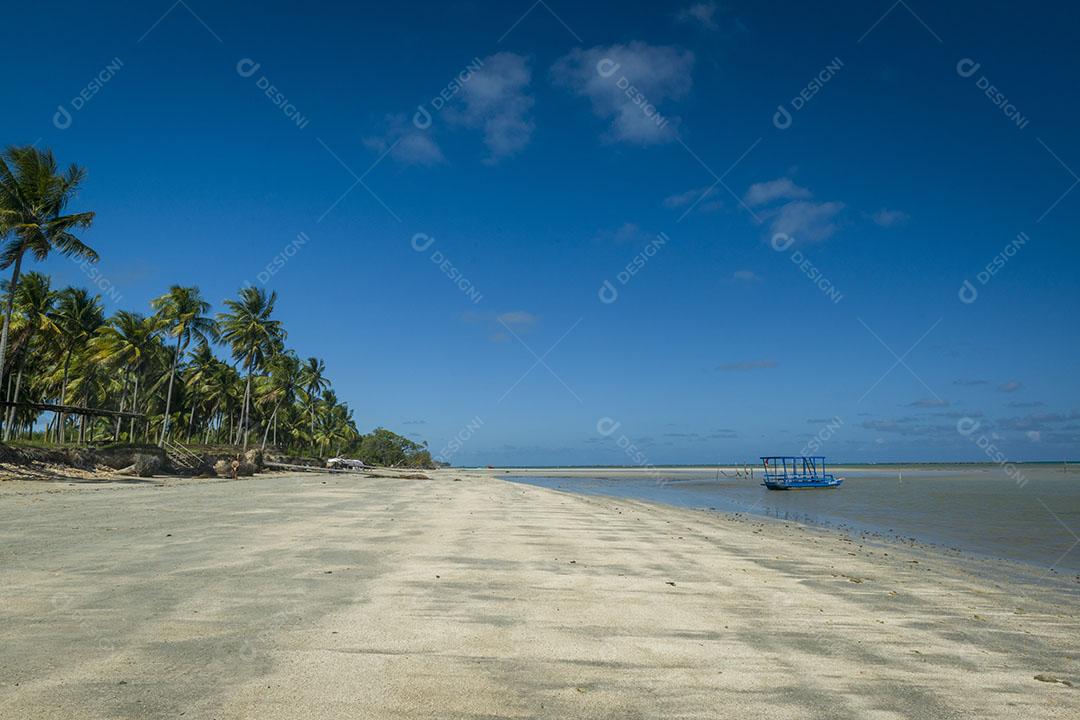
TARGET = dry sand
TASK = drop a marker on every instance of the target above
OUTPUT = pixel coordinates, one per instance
(342, 597)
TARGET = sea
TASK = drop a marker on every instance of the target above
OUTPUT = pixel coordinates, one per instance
(1030, 514)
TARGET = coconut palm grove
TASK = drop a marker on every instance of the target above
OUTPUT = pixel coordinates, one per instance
(179, 371)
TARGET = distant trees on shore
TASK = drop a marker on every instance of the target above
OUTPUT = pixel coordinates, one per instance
(58, 347)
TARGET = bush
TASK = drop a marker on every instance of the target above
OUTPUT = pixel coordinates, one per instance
(386, 448)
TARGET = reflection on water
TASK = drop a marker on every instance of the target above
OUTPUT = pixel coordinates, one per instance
(977, 509)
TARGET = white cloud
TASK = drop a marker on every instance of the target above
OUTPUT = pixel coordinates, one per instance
(800, 219)
(748, 365)
(417, 148)
(702, 13)
(889, 218)
(929, 403)
(1011, 386)
(626, 233)
(495, 100)
(746, 276)
(806, 221)
(517, 317)
(1034, 435)
(705, 197)
(763, 193)
(628, 83)
(406, 144)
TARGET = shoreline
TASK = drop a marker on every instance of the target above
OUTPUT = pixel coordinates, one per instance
(1027, 572)
(1039, 541)
(1072, 465)
(1014, 568)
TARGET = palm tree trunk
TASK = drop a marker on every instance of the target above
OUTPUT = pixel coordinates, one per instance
(168, 396)
(134, 408)
(63, 398)
(209, 422)
(123, 399)
(18, 384)
(15, 399)
(273, 419)
(82, 425)
(191, 421)
(244, 417)
(7, 312)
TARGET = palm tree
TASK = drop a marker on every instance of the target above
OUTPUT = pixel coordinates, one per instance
(314, 381)
(307, 409)
(182, 313)
(203, 364)
(253, 335)
(126, 342)
(336, 428)
(90, 383)
(33, 198)
(33, 303)
(221, 389)
(280, 386)
(78, 315)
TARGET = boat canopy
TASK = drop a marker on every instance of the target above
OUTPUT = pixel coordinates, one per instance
(794, 466)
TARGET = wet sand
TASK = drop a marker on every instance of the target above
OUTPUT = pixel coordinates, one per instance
(339, 597)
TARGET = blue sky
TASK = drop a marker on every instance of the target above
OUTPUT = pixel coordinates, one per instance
(788, 276)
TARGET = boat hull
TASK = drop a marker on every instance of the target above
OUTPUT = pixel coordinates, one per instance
(804, 484)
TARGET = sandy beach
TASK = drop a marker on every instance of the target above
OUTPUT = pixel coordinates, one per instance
(465, 596)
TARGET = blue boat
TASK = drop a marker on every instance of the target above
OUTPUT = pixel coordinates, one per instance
(797, 472)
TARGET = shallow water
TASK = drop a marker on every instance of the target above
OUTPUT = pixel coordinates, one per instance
(979, 510)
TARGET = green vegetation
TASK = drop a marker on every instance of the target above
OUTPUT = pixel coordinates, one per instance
(383, 447)
(58, 347)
